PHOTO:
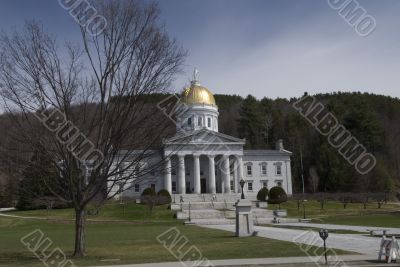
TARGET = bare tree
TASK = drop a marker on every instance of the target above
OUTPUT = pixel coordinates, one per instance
(92, 99)
(321, 198)
(344, 198)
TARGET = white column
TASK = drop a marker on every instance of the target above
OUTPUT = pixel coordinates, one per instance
(236, 175)
(167, 176)
(196, 171)
(288, 177)
(240, 170)
(226, 175)
(211, 175)
(181, 174)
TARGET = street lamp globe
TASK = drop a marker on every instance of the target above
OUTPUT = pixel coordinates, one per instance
(242, 183)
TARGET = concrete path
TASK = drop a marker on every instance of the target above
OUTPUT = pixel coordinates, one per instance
(346, 260)
(7, 209)
(20, 217)
(365, 229)
(360, 244)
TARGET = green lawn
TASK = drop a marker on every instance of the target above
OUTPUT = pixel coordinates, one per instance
(307, 228)
(133, 239)
(110, 211)
(378, 220)
(354, 214)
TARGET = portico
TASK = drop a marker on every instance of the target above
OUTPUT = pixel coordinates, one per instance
(199, 173)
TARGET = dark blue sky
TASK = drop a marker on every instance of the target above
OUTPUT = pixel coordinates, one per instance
(274, 48)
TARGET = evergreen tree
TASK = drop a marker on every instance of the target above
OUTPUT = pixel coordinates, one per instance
(251, 122)
(34, 185)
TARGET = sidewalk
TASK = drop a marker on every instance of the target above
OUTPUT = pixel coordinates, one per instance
(349, 260)
(366, 229)
(359, 244)
(7, 209)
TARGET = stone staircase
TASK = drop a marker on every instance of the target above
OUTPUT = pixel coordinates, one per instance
(233, 197)
(207, 209)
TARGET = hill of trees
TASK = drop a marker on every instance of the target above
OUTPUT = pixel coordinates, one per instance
(373, 119)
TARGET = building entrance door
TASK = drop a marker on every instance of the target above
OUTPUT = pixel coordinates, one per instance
(188, 189)
(203, 185)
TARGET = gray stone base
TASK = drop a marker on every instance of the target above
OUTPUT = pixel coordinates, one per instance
(244, 218)
(262, 205)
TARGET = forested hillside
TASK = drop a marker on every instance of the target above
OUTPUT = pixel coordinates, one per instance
(374, 120)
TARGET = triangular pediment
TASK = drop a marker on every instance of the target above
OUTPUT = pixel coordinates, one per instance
(203, 136)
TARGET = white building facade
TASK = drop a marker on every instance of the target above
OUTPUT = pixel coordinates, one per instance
(200, 160)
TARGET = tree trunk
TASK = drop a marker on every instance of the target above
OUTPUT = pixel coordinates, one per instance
(80, 226)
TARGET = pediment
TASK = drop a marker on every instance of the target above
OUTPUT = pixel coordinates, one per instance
(203, 136)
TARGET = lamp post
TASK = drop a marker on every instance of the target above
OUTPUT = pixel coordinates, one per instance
(302, 170)
(304, 208)
(242, 182)
(323, 233)
(190, 217)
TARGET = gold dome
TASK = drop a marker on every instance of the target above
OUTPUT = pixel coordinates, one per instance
(197, 94)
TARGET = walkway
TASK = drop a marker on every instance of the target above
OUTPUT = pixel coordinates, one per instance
(21, 217)
(349, 242)
(349, 260)
(395, 231)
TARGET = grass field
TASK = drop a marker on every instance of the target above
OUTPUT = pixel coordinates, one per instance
(112, 211)
(354, 214)
(130, 238)
(307, 228)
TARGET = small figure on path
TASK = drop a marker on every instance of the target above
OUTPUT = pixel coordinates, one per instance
(275, 220)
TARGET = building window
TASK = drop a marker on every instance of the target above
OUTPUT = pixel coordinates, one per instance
(232, 188)
(173, 186)
(136, 170)
(200, 121)
(249, 170)
(250, 186)
(137, 188)
(173, 171)
(264, 184)
(189, 121)
(278, 169)
(187, 171)
(209, 122)
(201, 172)
(120, 187)
(264, 169)
(279, 183)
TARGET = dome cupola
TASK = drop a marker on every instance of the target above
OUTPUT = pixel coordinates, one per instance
(197, 94)
(201, 111)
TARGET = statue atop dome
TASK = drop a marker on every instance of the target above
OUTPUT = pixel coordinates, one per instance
(195, 80)
(195, 74)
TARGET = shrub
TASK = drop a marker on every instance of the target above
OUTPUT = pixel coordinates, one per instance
(149, 197)
(262, 194)
(277, 195)
(164, 197)
(148, 192)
